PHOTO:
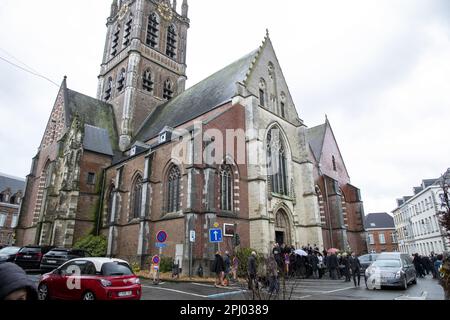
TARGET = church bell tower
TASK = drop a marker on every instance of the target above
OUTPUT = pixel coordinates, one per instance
(144, 61)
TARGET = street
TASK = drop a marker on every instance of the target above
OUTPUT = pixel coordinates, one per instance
(305, 289)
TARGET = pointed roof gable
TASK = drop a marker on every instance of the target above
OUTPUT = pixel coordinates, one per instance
(316, 136)
(201, 98)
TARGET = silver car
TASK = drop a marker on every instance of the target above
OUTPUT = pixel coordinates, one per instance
(391, 269)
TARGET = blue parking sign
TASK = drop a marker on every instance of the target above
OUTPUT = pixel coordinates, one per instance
(215, 235)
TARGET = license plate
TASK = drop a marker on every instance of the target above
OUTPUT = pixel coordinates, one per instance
(52, 261)
(27, 257)
(125, 294)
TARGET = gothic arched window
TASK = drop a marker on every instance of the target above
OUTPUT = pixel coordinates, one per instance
(108, 89)
(262, 93)
(226, 188)
(121, 80)
(110, 204)
(277, 162)
(137, 198)
(153, 31)
(173, 189)
(171, 41)
(168, 90)
(127, 31)
(115, 41)
(147, 83)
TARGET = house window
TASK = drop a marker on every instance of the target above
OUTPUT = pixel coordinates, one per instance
(173, 190)
(14, 221)
(168, 90)
(127, 32)
(137, 197)
(147, 83)
(371, 239)
(1, 197)
(121, 81)
(226, 188)
(2, 220)
(153, 31)
(261, 97)
(393, 237)
(91, 178)
(108, 89)
(115, 41)
(277, 162)
(171, 42)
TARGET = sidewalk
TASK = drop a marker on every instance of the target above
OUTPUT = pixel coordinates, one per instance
(167, 277)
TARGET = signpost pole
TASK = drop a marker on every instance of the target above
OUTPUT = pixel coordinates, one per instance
(190, 259)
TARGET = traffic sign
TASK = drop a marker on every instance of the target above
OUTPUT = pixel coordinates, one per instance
(215, 235)
(161, 236)
(216, 225)
(192, 236)
(160, 245)
(156, 260)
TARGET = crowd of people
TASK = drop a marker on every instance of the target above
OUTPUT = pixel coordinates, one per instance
(426, 265)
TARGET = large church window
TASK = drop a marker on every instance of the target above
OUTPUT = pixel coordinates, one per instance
(147, 83)
(108, 89)
(171, 42)
(226, 188)
(277, 162)
(115, 41)
(137, 197)
(168, 90)
(173, 189)
(127, 32)
(121, 80)
(152, 31)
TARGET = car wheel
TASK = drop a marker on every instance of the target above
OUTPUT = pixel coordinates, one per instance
(89, 296)
(414, 281)
(43, 292)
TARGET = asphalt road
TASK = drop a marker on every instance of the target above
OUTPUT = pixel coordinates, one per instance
(308, 289)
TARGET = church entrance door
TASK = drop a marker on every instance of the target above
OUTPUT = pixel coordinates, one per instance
(282, 228)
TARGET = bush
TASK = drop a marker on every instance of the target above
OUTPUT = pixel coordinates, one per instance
(166, 265)
(243, 254)
(95, 245)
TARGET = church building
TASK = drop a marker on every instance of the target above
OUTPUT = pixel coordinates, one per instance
(147, 154)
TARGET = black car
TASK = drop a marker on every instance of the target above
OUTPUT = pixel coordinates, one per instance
(8, 254)
(30, 257)
(58, 256)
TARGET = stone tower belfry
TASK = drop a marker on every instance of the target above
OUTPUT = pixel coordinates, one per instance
(144, 61)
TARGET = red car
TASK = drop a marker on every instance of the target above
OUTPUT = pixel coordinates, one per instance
(91, 279)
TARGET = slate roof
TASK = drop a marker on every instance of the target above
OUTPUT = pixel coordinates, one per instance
(316, 136)
(13, 183)
(379, 221)
(429, 182)
(201, 98)
(94, 113)
(97, 140)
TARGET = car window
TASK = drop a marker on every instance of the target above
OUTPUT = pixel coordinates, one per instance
(116, 269)
(387, 263)
(364, 259)
(58, 251)
(30, 250)
(9, 250)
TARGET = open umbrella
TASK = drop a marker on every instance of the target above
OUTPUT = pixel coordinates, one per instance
(332, 250)
(301, 252)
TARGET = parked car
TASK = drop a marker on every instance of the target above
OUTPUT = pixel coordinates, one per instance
(392, 269)
(8, 254)
(56, 257)
(91, 279)
(30, 257)
(366, 260)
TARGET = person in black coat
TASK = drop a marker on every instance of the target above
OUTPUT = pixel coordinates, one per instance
(219, 269)
(346, 269)
(332, 265)
(417, 261)
(15, 284)
(252, 271)
(355, 266)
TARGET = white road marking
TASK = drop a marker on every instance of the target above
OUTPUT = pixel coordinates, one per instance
(212, 286)
(177, 291)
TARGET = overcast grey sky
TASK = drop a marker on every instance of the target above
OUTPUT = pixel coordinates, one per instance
(379, 69)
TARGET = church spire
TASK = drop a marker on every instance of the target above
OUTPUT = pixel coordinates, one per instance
(114, 8)
(184, 9)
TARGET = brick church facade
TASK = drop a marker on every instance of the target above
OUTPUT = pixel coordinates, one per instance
(148, 155)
